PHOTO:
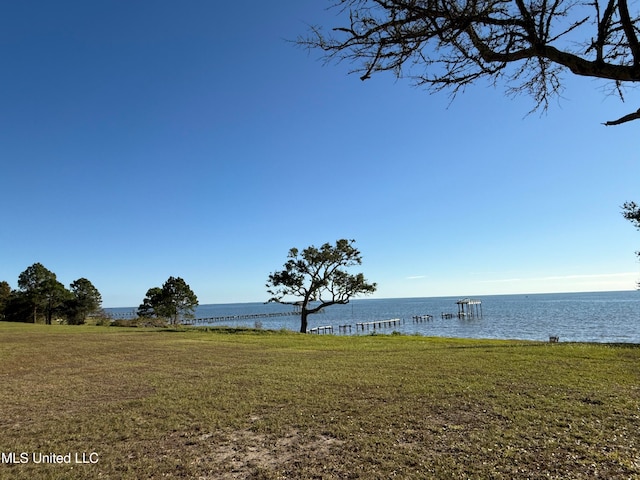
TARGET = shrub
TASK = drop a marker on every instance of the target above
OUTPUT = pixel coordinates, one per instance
(140, 322)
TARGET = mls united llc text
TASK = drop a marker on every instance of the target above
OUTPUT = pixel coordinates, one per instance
(37, 457)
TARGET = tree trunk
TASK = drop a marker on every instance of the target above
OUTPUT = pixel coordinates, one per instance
(303, 320)
(49, 312)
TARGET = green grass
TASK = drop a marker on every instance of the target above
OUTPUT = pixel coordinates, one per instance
(240, 404)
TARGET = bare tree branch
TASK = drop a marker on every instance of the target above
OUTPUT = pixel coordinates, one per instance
(629, 30)
(526, 44)
(627, 118)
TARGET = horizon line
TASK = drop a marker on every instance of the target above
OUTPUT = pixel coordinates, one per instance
(432, 296)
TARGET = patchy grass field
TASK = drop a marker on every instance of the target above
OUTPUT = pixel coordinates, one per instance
(216, 405)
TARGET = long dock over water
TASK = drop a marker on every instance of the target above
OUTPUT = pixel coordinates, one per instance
(467, 308)
(249, 316)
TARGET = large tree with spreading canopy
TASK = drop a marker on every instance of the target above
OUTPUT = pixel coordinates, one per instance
(528, 45)
(42, 290)
(86, 299)
(175, 301)
(319, 275)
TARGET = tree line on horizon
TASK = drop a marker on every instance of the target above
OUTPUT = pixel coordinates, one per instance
(313, 275)
(312, 279)
(40, 297)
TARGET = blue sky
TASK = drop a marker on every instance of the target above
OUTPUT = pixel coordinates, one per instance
(142, 140)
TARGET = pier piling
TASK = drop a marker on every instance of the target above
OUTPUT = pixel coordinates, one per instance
(378, 324)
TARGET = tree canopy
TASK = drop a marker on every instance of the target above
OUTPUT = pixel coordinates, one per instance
(5, 295)
(526, 44)
(631, 211)
(86, 299)
(42, 289)
(318, 275)
(41, 296)
(175, 301)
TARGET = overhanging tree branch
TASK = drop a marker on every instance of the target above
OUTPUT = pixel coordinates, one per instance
(627, 118)
(629, 31)
(453, 43)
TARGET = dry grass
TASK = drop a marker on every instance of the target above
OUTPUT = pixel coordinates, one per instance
(215, 405)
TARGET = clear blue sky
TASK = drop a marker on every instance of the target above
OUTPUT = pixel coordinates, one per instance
(148, 139)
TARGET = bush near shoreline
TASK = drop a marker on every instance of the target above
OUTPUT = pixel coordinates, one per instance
(151, 403)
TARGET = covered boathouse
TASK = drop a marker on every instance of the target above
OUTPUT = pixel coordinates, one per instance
(469, 307)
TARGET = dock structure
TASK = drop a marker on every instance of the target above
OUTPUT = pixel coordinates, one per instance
(469, 307)
(422, 318)
(325, 329)
(248, 316)
(378, 324)
(122, 315)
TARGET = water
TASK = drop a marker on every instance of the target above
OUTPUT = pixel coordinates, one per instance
(606, 317)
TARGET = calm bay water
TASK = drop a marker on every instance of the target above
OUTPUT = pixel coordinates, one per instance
(607, 317)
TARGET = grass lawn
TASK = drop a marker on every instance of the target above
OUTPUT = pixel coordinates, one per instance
(269, 405)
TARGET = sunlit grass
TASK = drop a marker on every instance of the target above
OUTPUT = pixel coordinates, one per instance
(243, 404)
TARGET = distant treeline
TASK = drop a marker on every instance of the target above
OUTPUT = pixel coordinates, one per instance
(41, 298)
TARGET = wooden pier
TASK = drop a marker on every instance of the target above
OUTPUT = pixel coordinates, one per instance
(378, 324)
(325, 329)
(249, 316)
(467, 308)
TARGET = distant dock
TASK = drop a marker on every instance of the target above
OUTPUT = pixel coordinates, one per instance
(325, 329)
(249, 316)
(469, 307)
(378, 323)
